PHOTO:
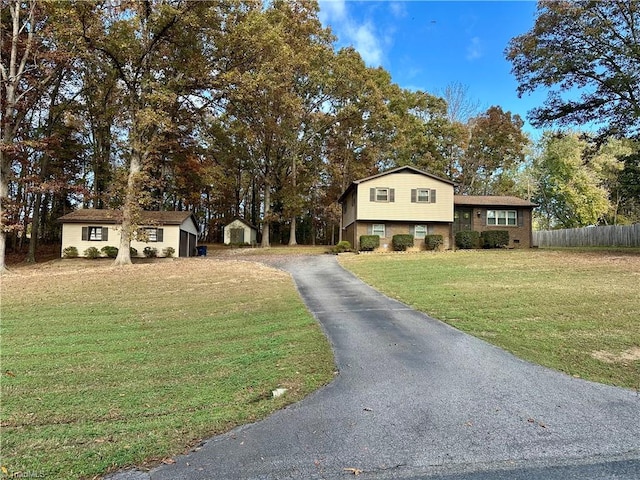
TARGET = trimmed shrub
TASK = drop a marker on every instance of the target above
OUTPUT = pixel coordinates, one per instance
(468, 239)
(168, 251)
(433, 242)
(92, 252)
(70, 252)
(341, 247)
(495, 239)
(133, 252)
(369, 243)
(150, 252)
(111, 252)
(401, 242)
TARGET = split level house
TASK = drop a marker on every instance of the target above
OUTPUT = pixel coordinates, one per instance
(99, 228)
(406, 200)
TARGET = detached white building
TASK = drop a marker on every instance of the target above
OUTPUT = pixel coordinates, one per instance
(86, 228)
(239, 232)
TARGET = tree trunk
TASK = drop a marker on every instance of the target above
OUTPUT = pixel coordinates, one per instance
(267, 212)
(131, 205)
(292, 232)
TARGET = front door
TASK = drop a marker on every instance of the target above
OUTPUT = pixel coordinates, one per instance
(462, 219)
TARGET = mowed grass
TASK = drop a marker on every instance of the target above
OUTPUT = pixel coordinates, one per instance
(571, 310)
(107, 367)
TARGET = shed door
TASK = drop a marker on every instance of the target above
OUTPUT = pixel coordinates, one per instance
(237, 235)
(184, 243)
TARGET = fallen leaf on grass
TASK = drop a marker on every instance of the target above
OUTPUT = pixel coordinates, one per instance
(168, 461)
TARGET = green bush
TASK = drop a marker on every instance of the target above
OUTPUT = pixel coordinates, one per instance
(341, 247)
(401, 242)
(433, 242)
(70, 252)
(133, 252)
(369, 243)
(468, 239)
(111, 252)
(150, 252)
(168, 252)
(495, 239)
(92, 252)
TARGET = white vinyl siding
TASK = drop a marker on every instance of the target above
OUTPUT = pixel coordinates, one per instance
(400, 207)
(77, 235)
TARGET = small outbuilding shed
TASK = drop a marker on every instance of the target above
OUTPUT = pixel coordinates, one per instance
(240, 232)
(87, 227)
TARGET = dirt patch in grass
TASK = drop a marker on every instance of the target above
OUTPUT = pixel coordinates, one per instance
(630, 355)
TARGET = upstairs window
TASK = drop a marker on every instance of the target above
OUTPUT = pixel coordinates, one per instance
(423, 195)
(508, 218)
(382, 194)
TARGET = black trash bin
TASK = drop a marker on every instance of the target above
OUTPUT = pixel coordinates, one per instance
(202, 250)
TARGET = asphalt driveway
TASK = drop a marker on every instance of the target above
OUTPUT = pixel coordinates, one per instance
(416, 398)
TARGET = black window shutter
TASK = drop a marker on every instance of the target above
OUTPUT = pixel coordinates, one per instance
(483, 217)
(432, 196)
(414, 195)
(159, 234)
(105, 234)
(392, 194)
(519, 214)
(369, 229)
(85, 233)
(372, 194)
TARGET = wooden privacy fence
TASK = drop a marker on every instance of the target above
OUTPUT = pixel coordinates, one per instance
(607, 236)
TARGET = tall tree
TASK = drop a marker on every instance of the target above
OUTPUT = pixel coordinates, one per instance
(569, 191)
(497, 144)
(30, 60)
(586, 47)
(157, 60)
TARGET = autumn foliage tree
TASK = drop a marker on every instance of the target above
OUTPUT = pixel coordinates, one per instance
(586, 54)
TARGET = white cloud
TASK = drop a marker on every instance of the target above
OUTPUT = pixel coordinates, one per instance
(398, 10)
(474, 49)
(366, 42)
(363, 35)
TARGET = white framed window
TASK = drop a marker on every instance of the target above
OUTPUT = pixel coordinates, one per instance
(95, 234)
(150, 234)
(420, 231)
(423, 195)
(506, 218)
(378, 229)
(382, 194)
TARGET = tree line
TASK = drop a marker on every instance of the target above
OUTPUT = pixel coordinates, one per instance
(238, 108)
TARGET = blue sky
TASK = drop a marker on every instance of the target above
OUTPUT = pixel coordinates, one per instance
(427, 45)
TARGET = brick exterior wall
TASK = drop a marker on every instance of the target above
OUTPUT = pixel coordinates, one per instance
(519, 236)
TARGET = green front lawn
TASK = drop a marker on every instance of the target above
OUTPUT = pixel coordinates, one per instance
(577, 311)
(107, 367)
